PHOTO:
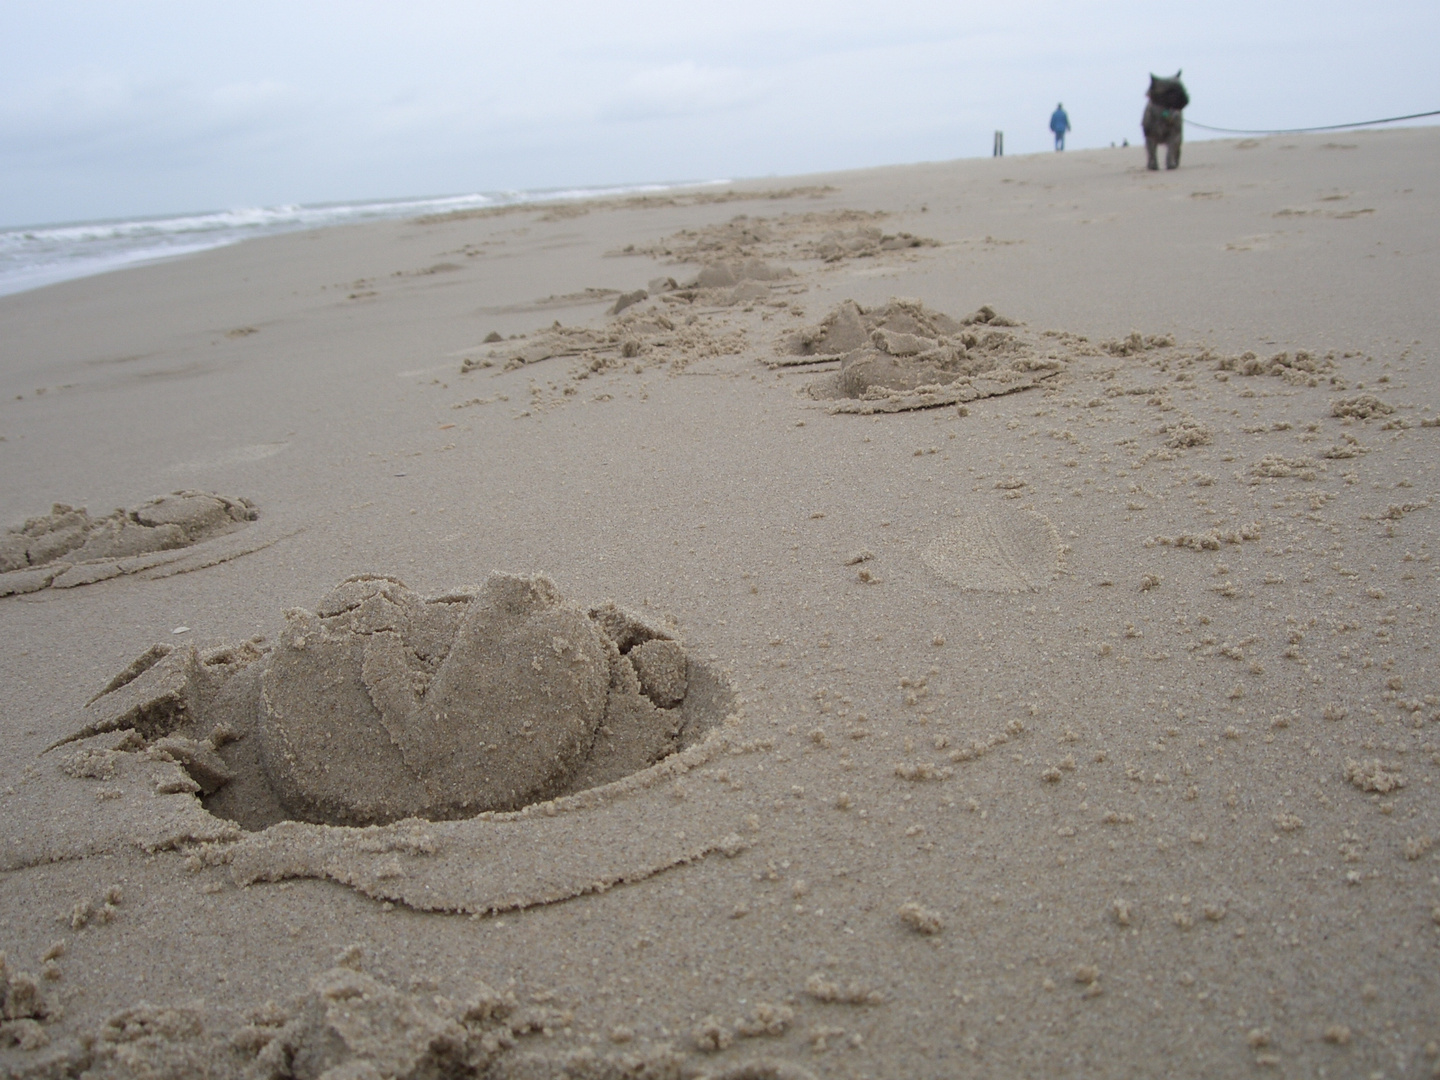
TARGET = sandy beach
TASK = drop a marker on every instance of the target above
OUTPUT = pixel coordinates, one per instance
(960, 619)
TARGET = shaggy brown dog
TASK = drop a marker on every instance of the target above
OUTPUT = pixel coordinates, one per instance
(1163, 122)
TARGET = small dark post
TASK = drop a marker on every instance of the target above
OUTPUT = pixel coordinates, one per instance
(999, 150)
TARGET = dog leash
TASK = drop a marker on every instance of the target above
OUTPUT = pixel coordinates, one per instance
(1300, 131)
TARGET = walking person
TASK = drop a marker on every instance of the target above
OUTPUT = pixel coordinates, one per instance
(1059, 124)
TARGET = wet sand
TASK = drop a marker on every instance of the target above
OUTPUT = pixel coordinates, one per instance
(1061, 686)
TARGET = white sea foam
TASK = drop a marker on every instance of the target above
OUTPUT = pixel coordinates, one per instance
(45, 254)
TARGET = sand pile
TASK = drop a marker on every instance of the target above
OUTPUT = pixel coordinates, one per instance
(382, 704)
(636, 334)
(865, 242)
(23, 1006)
(905, 356)
(727, 283)
(725, 275)
(67, 547)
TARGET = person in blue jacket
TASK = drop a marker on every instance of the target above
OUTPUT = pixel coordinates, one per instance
(1059, 124)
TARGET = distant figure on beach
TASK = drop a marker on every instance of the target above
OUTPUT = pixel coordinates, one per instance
(1059, 124)
(1163, 122)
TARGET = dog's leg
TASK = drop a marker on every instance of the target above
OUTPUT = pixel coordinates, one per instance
(1150, 148)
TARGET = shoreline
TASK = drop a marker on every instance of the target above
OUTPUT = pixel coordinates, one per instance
(248, 223)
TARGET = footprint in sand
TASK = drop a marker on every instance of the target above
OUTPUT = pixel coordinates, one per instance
(997, 551)
(67, 547)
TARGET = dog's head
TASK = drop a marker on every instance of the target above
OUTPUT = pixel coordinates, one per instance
(1168, 93)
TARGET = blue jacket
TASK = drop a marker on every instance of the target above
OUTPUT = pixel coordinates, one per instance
(1059, 122)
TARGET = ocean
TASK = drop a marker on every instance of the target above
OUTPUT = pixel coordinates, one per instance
(33, 256)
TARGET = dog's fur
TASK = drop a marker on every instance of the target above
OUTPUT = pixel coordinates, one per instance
(1163, 121)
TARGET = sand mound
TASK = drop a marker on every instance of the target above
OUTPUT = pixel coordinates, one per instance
(997, 551)
(865, 242)
(638, 335)
(905, 356)
(909, 327)
(840, 332)
(725, 275)
(67, 547)
(382, 704)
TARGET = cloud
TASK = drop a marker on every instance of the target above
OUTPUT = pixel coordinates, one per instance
(680, 89)
(103, 117)
(153, 106)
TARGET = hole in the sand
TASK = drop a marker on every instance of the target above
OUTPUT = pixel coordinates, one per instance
(382, 704)
(67, 547)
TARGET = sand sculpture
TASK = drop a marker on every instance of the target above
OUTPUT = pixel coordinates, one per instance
(382, 704)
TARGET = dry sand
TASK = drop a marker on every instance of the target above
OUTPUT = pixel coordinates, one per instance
(1046, 688)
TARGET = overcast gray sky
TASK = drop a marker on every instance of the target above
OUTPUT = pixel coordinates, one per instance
(127, 107)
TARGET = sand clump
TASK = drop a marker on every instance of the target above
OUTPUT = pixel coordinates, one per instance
(1362, 406)
(350, 1023)
(166, 689)
(1302, 367)
(726, 274)
(1374, 776)
(169, 521)
(67, 547)
(382, 704)
(865, 242)
(23, 1009)
(663, 671)
(903, 356)
(922, 920)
